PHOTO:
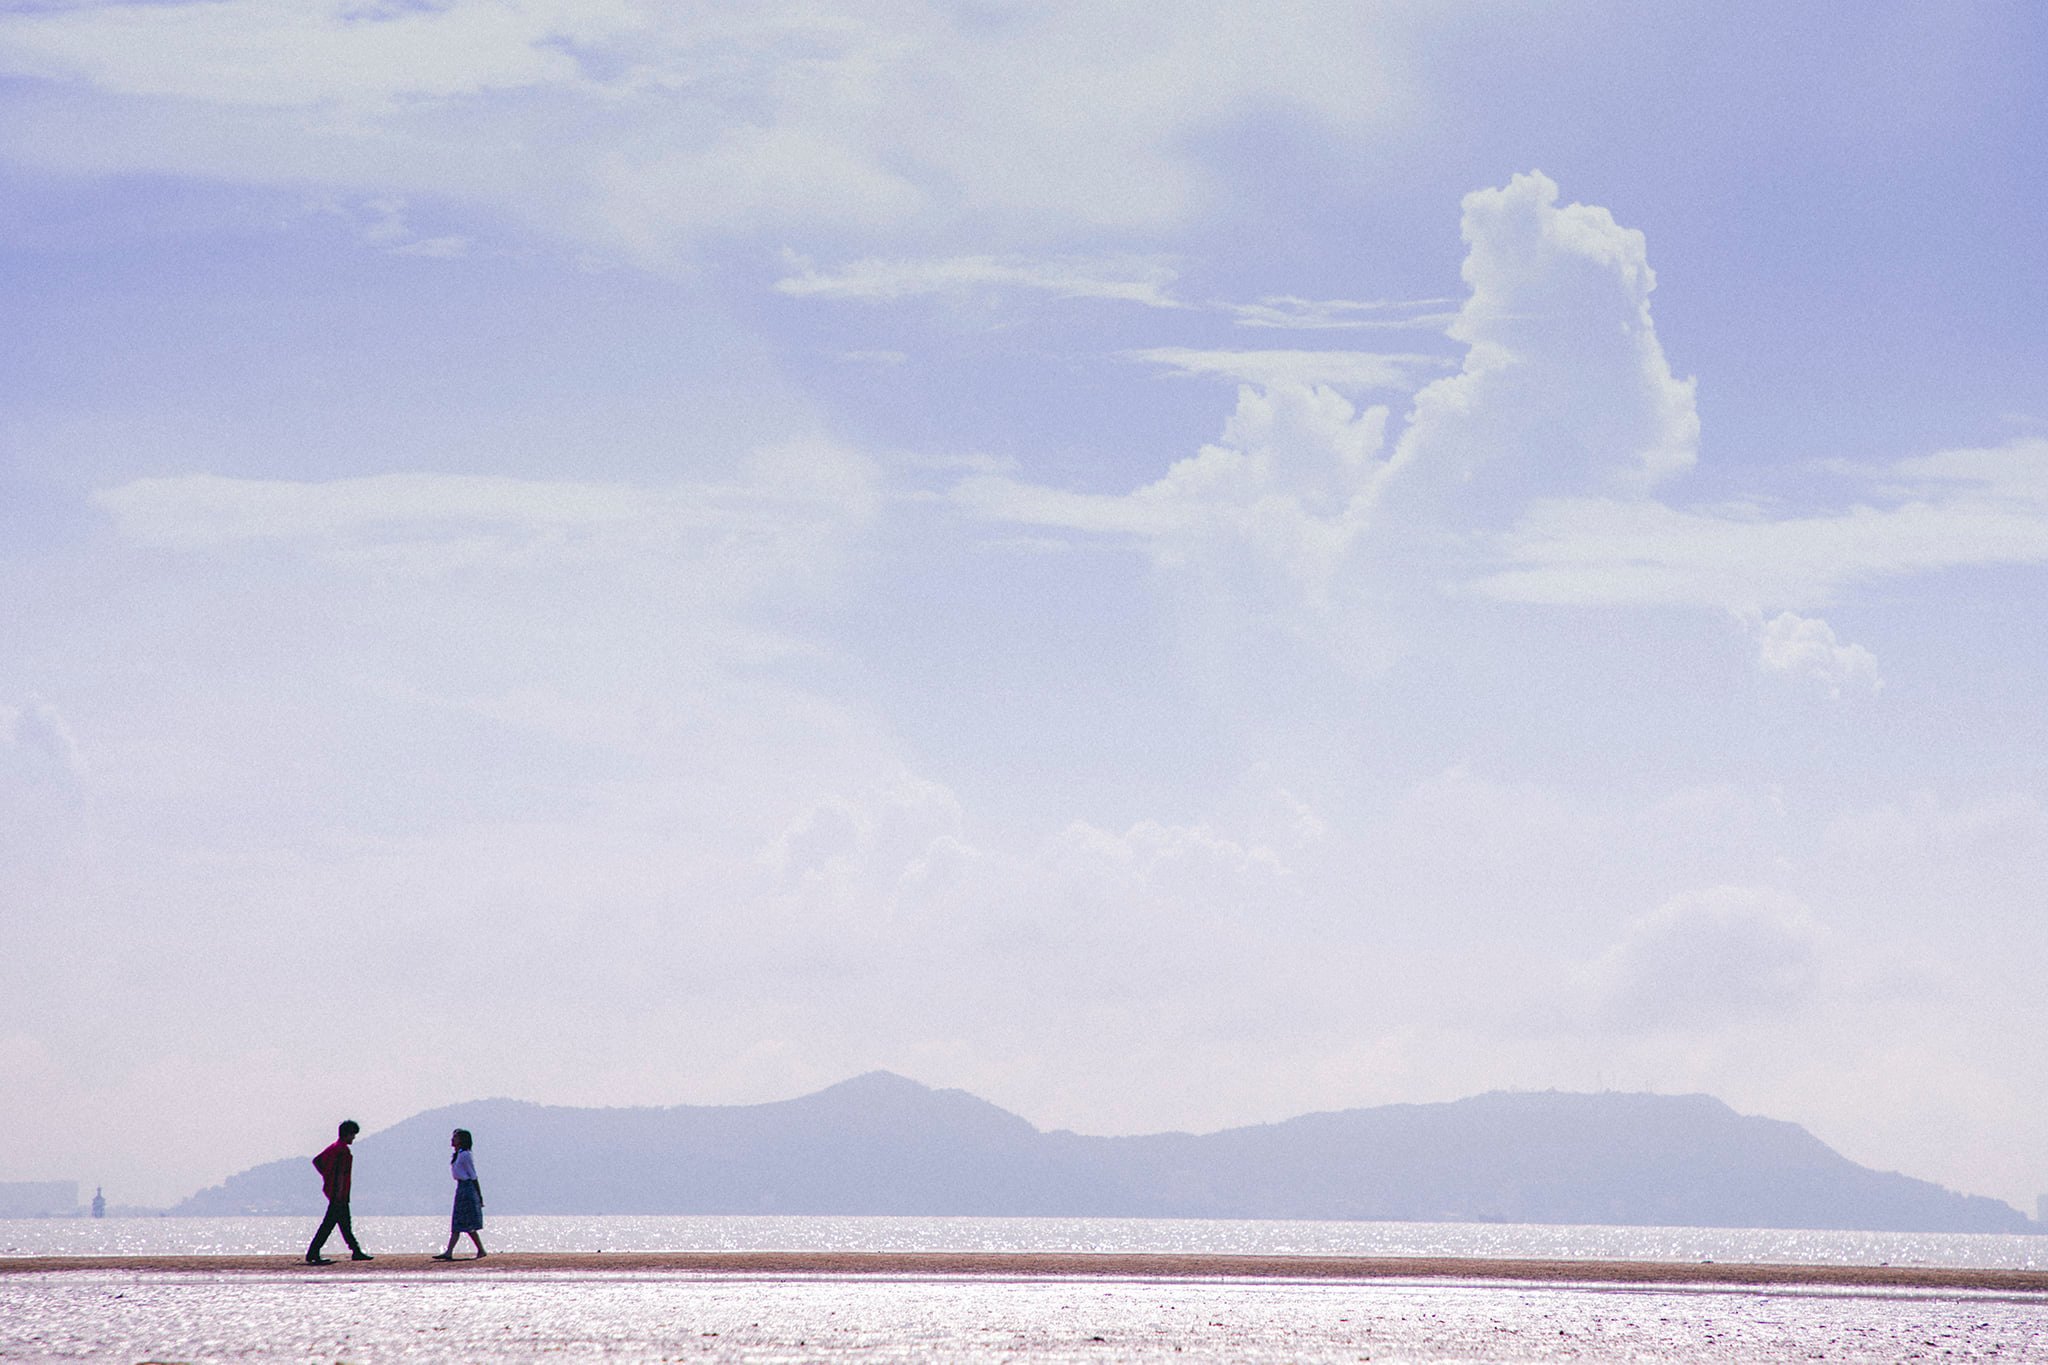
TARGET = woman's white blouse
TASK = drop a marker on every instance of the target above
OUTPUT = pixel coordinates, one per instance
(463, 1167)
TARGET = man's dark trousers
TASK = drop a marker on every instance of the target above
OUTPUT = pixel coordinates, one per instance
(337, 1217)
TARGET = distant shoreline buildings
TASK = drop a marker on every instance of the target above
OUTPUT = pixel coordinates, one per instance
(40, 1199)
(59, 1199)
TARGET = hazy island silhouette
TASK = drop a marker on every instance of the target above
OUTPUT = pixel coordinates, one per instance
(882, 1144)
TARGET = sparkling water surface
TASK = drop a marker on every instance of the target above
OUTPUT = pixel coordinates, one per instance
(469, 1312)
(482, 1316)
(247, 1236)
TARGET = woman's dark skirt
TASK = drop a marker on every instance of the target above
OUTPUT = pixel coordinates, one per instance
(469, 1207)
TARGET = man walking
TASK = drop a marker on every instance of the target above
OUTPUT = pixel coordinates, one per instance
(335, 1164)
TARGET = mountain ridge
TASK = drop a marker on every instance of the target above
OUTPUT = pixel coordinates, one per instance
(880, 1143)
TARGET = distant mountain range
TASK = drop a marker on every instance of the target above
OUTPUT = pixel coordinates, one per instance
(880, 1144)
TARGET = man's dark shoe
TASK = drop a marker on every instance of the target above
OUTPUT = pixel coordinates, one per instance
(319, 1260)
(361, 1256)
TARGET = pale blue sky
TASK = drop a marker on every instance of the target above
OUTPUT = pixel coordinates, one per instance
(1164, 566)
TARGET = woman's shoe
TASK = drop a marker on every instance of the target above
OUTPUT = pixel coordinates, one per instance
(443, 1256)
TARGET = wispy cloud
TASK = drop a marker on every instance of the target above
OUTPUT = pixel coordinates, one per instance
(444, 248)
(236, 52)
(648, 130)
(383, 223)
(786, 505)
(1124, 280)
(1332, 369)
(1285, 311)
(202, 511)
(1977, 506)
(1146, 281)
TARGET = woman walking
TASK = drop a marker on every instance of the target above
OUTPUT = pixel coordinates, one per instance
(469, 1197)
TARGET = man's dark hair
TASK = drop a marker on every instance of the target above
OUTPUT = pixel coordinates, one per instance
(349, 1128)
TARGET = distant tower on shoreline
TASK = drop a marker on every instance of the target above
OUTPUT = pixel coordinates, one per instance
(99, 1202)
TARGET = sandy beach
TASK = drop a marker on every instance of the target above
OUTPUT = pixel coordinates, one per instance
(1051, 1265)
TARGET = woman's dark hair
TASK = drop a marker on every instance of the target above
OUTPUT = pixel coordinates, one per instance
(463, 1139)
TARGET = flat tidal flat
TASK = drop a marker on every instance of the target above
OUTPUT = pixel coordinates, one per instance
(885, 1308)
(1119, 1265)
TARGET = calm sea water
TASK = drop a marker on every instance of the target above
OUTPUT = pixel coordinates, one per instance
(231, 1236)
(473, 1313)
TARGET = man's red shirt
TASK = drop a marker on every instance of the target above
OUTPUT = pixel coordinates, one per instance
(335, 1164)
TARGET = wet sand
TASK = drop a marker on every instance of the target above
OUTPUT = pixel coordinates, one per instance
(1058, 1265)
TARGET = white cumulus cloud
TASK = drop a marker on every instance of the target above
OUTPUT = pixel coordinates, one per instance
(1807, 647)
(1300, 509)
(1537, 474)
(1281, 494)
(1565, 387)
